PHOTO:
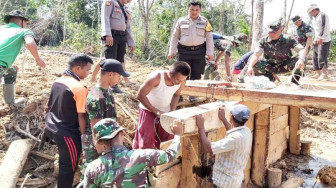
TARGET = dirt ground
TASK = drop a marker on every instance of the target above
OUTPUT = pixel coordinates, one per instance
(33, 84)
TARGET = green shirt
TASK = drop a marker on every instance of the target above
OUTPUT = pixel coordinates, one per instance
(11, 41)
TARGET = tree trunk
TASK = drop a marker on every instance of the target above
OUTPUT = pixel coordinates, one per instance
(285, 11)
(258, 23)
(221, 19)
(251, 27)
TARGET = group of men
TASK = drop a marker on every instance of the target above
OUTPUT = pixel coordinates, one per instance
(81, 121)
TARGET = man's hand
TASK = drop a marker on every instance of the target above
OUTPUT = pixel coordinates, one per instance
(318, 41)
(16, 68)
(249, 71)
(200, 122)
(158, 113)
(109, 41)
(40, 63)
(300, 64)
(131, 49)
(177, 127)
(221, 114)
(229, 78)
(210, 57)
(170, 56)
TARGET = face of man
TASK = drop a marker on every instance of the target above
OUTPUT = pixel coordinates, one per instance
(114, 78)
(83, 72)
(194, 11)
(298, 23)
(125, 1)
(314, 13)
(178, 78)
(275, 35)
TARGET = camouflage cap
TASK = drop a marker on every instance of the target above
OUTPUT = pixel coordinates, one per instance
(296, 18)
(274, 25)
(240, 38)
(106, 129)
(312, 7)
(14, 13)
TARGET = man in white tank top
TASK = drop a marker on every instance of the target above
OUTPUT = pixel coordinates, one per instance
(159, 93)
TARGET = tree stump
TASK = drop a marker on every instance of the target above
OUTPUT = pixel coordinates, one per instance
(274, 177)
(305, 147)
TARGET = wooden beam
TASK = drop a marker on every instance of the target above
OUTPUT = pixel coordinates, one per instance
(13, 162)
(260, 147)
(294, 130)
(301, 98)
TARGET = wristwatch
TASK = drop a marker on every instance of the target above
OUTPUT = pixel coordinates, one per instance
(158, 113)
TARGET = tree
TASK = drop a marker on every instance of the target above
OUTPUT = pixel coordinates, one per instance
(221, 20)
(258, 23)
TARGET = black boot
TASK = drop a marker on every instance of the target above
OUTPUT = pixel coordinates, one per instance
(116, 89)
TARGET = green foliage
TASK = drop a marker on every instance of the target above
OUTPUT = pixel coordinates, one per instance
(332, 50)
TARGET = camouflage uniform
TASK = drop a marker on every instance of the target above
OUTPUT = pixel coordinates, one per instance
(278, 57)
(9, 75)
(303, 32)
(120, 167)
(99, 104)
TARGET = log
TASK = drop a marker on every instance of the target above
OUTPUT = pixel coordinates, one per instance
(43, 155)
(305, 147)
(294, 130)
(274, 176)
(293, 182)
(188, 103)
(18, 129)
(13, 162)
(170, 177)
(327, 175)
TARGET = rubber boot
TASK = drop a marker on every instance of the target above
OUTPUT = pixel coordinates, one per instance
(8, 93)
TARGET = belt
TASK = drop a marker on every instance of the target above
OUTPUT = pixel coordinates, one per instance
(192, 48)
(116, 32)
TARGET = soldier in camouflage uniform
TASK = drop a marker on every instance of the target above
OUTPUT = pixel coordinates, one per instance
(100, 104)
(120, 167)
(278, 57)
(224, 45)
(304, 33)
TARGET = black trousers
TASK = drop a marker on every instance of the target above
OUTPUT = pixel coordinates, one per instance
(69, 150)
(196, 61)
(320, 56)
(117, 50)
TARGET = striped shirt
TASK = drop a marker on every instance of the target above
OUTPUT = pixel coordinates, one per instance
(233, 154)
(321, 27)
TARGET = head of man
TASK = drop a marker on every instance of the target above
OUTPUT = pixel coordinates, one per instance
(80, 64)
(274, 29)
(179, 71)
(240, 38)
(313, 10)
(297, 20)
(16, 17)
(111, 70)
(107, 133)
(194, 9)
(239, 115)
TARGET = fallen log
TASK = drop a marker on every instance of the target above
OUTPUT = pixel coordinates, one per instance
(18, 129)
(327, 175)
(14, 161)
(293, 182)
(43, 155)
(187, 102)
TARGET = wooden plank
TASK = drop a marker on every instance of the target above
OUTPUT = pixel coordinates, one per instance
(13, 162)
(260, 146)
(276, 139)
(276, 153)
(301, 98)
(250, 122)
(256, 107)
(278, 110)
(163, 167)
(294, 130)
(170, 177)
(278, 124)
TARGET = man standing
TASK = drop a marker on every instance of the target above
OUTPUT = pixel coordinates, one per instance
(158, 94)
(224, 45)
(304, 33)
(321, 42)
(116, 32)
(13, 36)
(120, 167)
(100, 104)
(66, 116)
(233, 150)
(193, 40)
(277, 54)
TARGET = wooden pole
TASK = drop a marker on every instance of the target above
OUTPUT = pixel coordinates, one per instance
(294, 130)
(305, 147)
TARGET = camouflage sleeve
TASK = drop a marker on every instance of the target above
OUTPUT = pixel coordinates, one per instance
(260, 47)
(295, 45)
(158, 157)
(309, 31)
(228, 49)
(93, 108)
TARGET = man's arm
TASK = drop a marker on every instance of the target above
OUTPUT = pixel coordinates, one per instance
(82, 122)
(129, 36)
(205, 143)
(174, 40)
(106, 11)
(209, 44)
(145, 88)
(96, 70)
(32, 47)
(176, 97)
(308, 44)
(253, 61)
(227, 66)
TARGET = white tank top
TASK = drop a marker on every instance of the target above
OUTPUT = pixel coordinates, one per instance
(160, 96)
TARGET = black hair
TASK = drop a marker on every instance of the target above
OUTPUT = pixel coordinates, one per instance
(180, 67)
(79, 60)
(239, 123)
(195, 3)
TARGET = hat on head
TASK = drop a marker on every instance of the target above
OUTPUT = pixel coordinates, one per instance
(241, 37)
(106, 129)
(14, 13)
(240, 113)
(312, 7)
(112, 65)
(274, 25)
(296, 18)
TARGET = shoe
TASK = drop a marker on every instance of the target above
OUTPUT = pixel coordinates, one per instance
(116, 89)
(323, 77)
(316, 76)
(192, 99)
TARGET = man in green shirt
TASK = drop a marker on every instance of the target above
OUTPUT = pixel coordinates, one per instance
(13, 36)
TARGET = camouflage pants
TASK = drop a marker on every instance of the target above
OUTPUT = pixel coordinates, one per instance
(267, 68)
(89, 152)
(210, 72)
(9, 75)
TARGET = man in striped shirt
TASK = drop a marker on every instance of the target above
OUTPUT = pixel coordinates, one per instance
(233, 150)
